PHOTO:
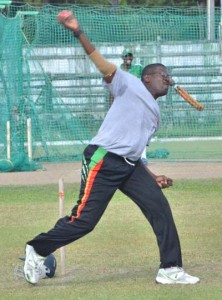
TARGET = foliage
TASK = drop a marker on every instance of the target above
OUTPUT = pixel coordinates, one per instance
(160, 3)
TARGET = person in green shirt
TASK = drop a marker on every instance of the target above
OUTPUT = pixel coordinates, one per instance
(128, 66)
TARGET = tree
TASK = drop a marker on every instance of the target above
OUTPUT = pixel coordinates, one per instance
(148, 3)
(162, 2)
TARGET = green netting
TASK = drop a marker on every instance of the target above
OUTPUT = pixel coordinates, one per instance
(124, 24)
(46, 77)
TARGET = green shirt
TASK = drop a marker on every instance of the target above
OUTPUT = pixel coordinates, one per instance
(135, 70)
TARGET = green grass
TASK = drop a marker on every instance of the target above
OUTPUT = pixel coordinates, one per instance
(193, 150)
(119, 259)
(187, 150)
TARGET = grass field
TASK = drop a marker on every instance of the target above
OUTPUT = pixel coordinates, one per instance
(183, 150)
(119, 259)
(193, 150)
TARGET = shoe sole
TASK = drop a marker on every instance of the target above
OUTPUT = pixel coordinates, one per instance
(27, 280)
(175, 282)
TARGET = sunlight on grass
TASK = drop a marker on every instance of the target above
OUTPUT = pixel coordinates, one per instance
(119, 259)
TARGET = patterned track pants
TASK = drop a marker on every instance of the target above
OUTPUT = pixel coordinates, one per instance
(102, 174)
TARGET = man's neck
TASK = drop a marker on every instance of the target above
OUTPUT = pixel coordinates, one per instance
(126, 67)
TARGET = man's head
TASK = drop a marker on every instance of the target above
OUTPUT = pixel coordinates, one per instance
(157, 79)
(127, 57)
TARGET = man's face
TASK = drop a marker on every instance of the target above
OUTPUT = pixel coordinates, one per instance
(128, 60)
(158, 81)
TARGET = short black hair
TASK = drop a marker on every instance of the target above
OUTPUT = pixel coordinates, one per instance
(150, 69)
(129, 53)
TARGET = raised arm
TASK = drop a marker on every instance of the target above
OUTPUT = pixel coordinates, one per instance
(67, 19)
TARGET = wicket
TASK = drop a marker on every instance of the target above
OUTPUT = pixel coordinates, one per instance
(8, 140)
(29, 139)
(61, 214)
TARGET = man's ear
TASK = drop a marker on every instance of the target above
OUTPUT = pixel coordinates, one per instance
(146, 78)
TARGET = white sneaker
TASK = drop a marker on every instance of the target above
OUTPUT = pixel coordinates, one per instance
(175, 275)
(34, 270)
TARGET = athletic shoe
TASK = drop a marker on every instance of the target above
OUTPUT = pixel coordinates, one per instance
(175, 275)
(34, 268)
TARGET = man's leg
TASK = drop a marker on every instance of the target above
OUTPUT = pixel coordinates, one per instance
(95, 194)
(144, 191)
(102, 173)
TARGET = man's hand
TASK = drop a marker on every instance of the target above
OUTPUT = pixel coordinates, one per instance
(163, 181)
(67, 19)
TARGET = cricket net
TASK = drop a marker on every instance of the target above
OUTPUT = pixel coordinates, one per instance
(52, 99)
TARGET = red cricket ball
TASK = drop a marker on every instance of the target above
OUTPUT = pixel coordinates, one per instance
(64, 13)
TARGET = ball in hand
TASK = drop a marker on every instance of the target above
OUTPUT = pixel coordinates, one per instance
(64, 14)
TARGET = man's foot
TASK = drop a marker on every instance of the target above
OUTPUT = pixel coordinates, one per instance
(175, 275)
(34, 268)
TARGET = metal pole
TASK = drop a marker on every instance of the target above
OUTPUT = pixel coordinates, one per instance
(220, 11)
(8, 141)
(210, 20)
(29, 138)
(220, 30)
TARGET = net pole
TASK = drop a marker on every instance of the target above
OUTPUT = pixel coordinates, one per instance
(29, 138)
(61, 215)
(220, 30)
(8, 140)
(220, 10)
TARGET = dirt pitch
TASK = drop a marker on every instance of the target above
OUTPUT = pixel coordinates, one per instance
(70, 172)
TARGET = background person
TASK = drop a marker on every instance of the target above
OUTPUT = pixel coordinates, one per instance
(128, 65)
